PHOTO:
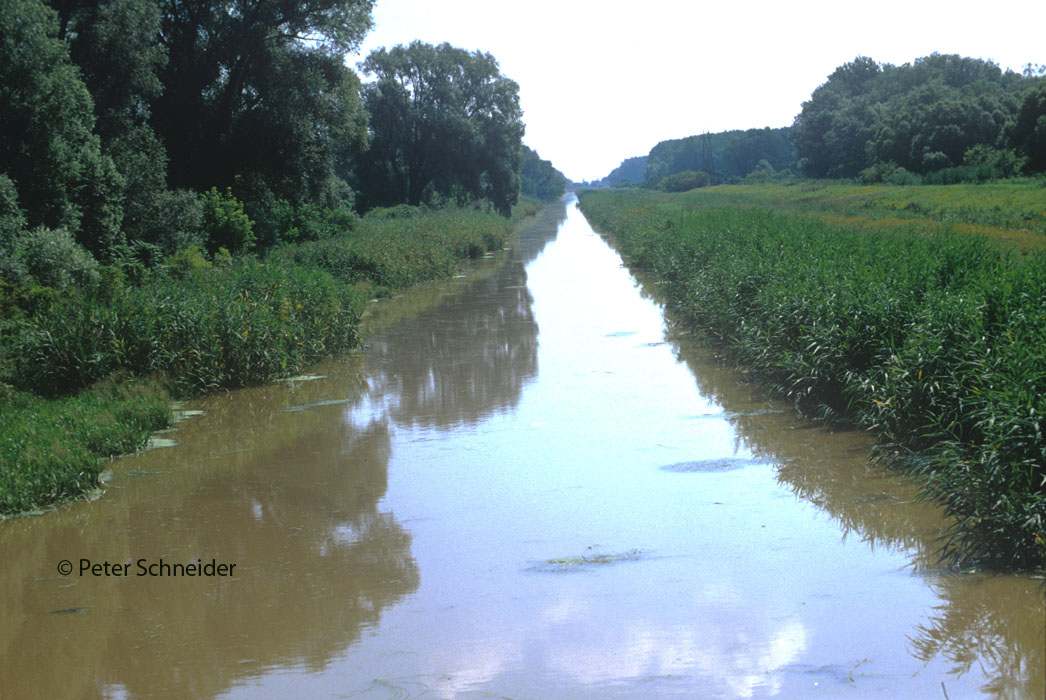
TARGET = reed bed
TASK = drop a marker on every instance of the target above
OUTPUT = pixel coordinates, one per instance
(935, 341)
(89, 373)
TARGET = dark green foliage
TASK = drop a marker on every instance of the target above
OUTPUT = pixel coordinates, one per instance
(684, 181)
(937, 342)
(1029, 129)
(445, 126)
(47, 147)
(12, 218)
(922, 117)
(727, 156)
(257, 97)
(225, 225)
(538, 178)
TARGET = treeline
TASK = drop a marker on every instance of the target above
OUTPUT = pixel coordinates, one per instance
(630, 172)
(697, 161)
(539, 178)
(940, 119)
(137, 127)
(727, 156)
(943, 117)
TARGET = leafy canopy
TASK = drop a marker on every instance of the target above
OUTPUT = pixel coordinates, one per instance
(444, 124)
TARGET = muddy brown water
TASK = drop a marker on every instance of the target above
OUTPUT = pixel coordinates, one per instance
(529, 485)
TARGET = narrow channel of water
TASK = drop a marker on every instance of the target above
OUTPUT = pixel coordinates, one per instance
(530, 487)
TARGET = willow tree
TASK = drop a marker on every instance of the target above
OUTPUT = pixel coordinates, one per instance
(444, 123)
(256, 94)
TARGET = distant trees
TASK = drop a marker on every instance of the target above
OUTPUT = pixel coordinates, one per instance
(538, 178)
(630, 172)
(1028, 134)
(939, 112)
(444, 124)
(727, 156)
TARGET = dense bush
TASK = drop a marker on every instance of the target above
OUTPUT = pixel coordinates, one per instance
(684, 181)
(203, 328)
(54, 259)
(225, 224)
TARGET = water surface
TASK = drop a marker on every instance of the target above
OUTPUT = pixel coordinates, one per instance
(529, 485)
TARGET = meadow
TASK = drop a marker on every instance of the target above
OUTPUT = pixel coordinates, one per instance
(90, 373)
(885, 308)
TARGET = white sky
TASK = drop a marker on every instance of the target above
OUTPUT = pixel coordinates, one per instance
(604, 80)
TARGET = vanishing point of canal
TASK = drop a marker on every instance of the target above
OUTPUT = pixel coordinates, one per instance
(529, 485)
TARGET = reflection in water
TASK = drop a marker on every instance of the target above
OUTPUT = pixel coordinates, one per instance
(988, 623)
(290, 498)
(458, 363)
(285, 482)
(389, 523)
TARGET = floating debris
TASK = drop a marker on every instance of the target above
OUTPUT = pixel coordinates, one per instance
(757, 412)
(156, 442)
(722, 464)
(313, 404)
(871, 498)
(144, 472)
(586, 561)
(183, 415)
(619, 334)
(303, 378)
(69, 611)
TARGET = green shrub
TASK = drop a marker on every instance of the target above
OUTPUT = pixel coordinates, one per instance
(225, 223)
(684, 181)
(188, 259)
(12, 219)
(54, 259)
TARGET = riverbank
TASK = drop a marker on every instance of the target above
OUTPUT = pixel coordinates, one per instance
(91, 373)
(930, 335)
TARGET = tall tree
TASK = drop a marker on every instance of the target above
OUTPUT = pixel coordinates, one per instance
(256, 94)
(443, 122)
(116, 45)
(47, 146)
(923, 116)
(1029, 131)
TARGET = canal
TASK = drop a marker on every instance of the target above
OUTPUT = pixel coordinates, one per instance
(531, 485)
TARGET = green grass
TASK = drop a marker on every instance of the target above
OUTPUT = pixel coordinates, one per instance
(1013, 212)
(936, 340)
(191, 327)
(52, 449)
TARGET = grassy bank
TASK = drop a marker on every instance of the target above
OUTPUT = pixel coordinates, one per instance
(932, 337)
(89, 372)
(1011, 212)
